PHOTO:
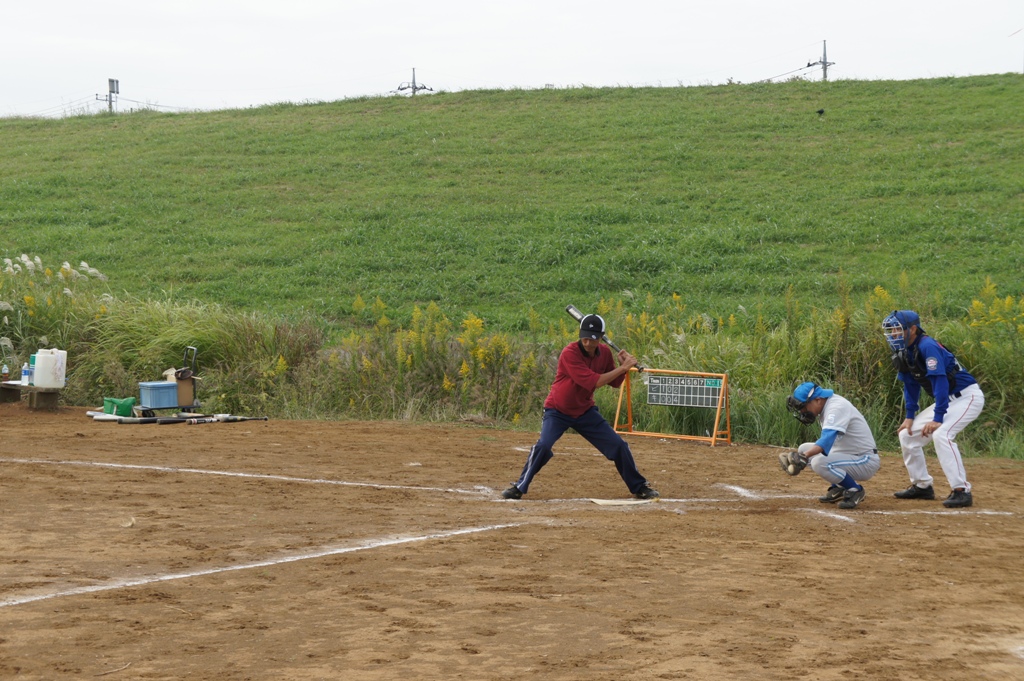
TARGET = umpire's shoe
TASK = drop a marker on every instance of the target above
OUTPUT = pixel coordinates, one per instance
(512, 493)
(958, 498)
(915, 492)
(852, 497)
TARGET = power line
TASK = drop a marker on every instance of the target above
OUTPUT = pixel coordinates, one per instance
(802, 68)
(157, 106)
(58, 107)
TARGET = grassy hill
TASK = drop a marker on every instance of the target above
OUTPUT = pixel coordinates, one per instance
(500, 201)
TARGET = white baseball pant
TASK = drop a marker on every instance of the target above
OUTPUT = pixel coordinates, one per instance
(962, 410)
(834, 467)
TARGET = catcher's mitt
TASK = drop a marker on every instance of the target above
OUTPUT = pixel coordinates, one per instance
(792, 462)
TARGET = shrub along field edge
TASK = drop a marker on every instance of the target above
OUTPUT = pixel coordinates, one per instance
(435, 369)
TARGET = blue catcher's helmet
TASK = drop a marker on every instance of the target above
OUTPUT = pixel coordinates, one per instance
(802, 394)
(896, 326)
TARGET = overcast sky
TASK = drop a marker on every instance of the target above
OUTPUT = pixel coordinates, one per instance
(213, 54)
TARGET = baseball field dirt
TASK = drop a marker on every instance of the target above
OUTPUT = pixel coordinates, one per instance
(297, 550)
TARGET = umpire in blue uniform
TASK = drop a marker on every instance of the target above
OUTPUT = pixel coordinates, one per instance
(923, 363)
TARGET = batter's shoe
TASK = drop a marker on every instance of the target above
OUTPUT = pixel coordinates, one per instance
(834, 494)
(915, 492)
(647, 492)
(852, 497)
(512, 493)
(958, 498)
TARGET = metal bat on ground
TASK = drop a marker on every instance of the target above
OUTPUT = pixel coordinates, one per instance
(578, 316)
(223, 418)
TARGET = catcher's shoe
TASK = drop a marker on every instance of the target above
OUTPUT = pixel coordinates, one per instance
(834, 494)
(512, 493)
(852, 497)
(915, 492)
(959, 498)
(647, 492)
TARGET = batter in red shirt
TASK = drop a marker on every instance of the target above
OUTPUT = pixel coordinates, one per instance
(583, 367)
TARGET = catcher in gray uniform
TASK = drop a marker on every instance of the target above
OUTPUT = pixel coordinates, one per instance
(845, 455)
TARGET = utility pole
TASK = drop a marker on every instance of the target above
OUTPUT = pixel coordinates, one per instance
(413, 86)
(823, 62)
(113, 88)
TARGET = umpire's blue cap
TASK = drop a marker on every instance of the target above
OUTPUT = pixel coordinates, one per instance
(906, 319)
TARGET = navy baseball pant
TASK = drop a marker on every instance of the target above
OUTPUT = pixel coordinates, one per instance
(595, 430)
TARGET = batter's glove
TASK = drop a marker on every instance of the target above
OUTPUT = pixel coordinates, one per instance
(792, 462)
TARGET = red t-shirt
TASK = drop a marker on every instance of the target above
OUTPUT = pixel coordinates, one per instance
(572, 392)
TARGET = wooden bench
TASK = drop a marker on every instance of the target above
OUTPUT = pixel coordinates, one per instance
(38, 398)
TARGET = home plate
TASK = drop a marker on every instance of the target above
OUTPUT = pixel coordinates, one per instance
(621, 502)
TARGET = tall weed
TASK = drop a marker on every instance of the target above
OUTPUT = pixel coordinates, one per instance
(437, 369)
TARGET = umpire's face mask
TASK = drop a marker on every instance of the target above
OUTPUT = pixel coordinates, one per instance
(799, 410)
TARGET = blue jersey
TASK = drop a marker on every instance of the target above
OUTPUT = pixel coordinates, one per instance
(931, 366)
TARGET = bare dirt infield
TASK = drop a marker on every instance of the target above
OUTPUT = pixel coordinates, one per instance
(160, 566)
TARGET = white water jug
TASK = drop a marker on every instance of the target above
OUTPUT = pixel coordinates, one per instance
(51, 367)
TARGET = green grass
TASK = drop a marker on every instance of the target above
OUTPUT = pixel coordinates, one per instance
(411, 258)
(498, 201)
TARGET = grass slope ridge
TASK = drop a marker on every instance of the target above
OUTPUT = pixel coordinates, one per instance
(497, 201)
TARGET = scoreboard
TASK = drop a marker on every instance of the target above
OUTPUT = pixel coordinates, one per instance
(684, 391)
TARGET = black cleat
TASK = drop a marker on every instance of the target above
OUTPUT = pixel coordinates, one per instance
(959, 498)
(512, 493)
(647, 492)
(834, 494)
(852, 497)
(915, 492)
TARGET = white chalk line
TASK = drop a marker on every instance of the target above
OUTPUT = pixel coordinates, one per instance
(951, 512)
(479, 490)
(742, 491)
(747, 509)
(320, 553)
(828, 514)
(755, 496)
(663, 502)
(563, 451)
(256, 476)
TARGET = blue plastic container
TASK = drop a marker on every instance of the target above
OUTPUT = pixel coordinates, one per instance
(158, 394)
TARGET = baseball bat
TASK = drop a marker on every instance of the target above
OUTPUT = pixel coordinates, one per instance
(238, 419)
(578, 316)
(137, 420)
